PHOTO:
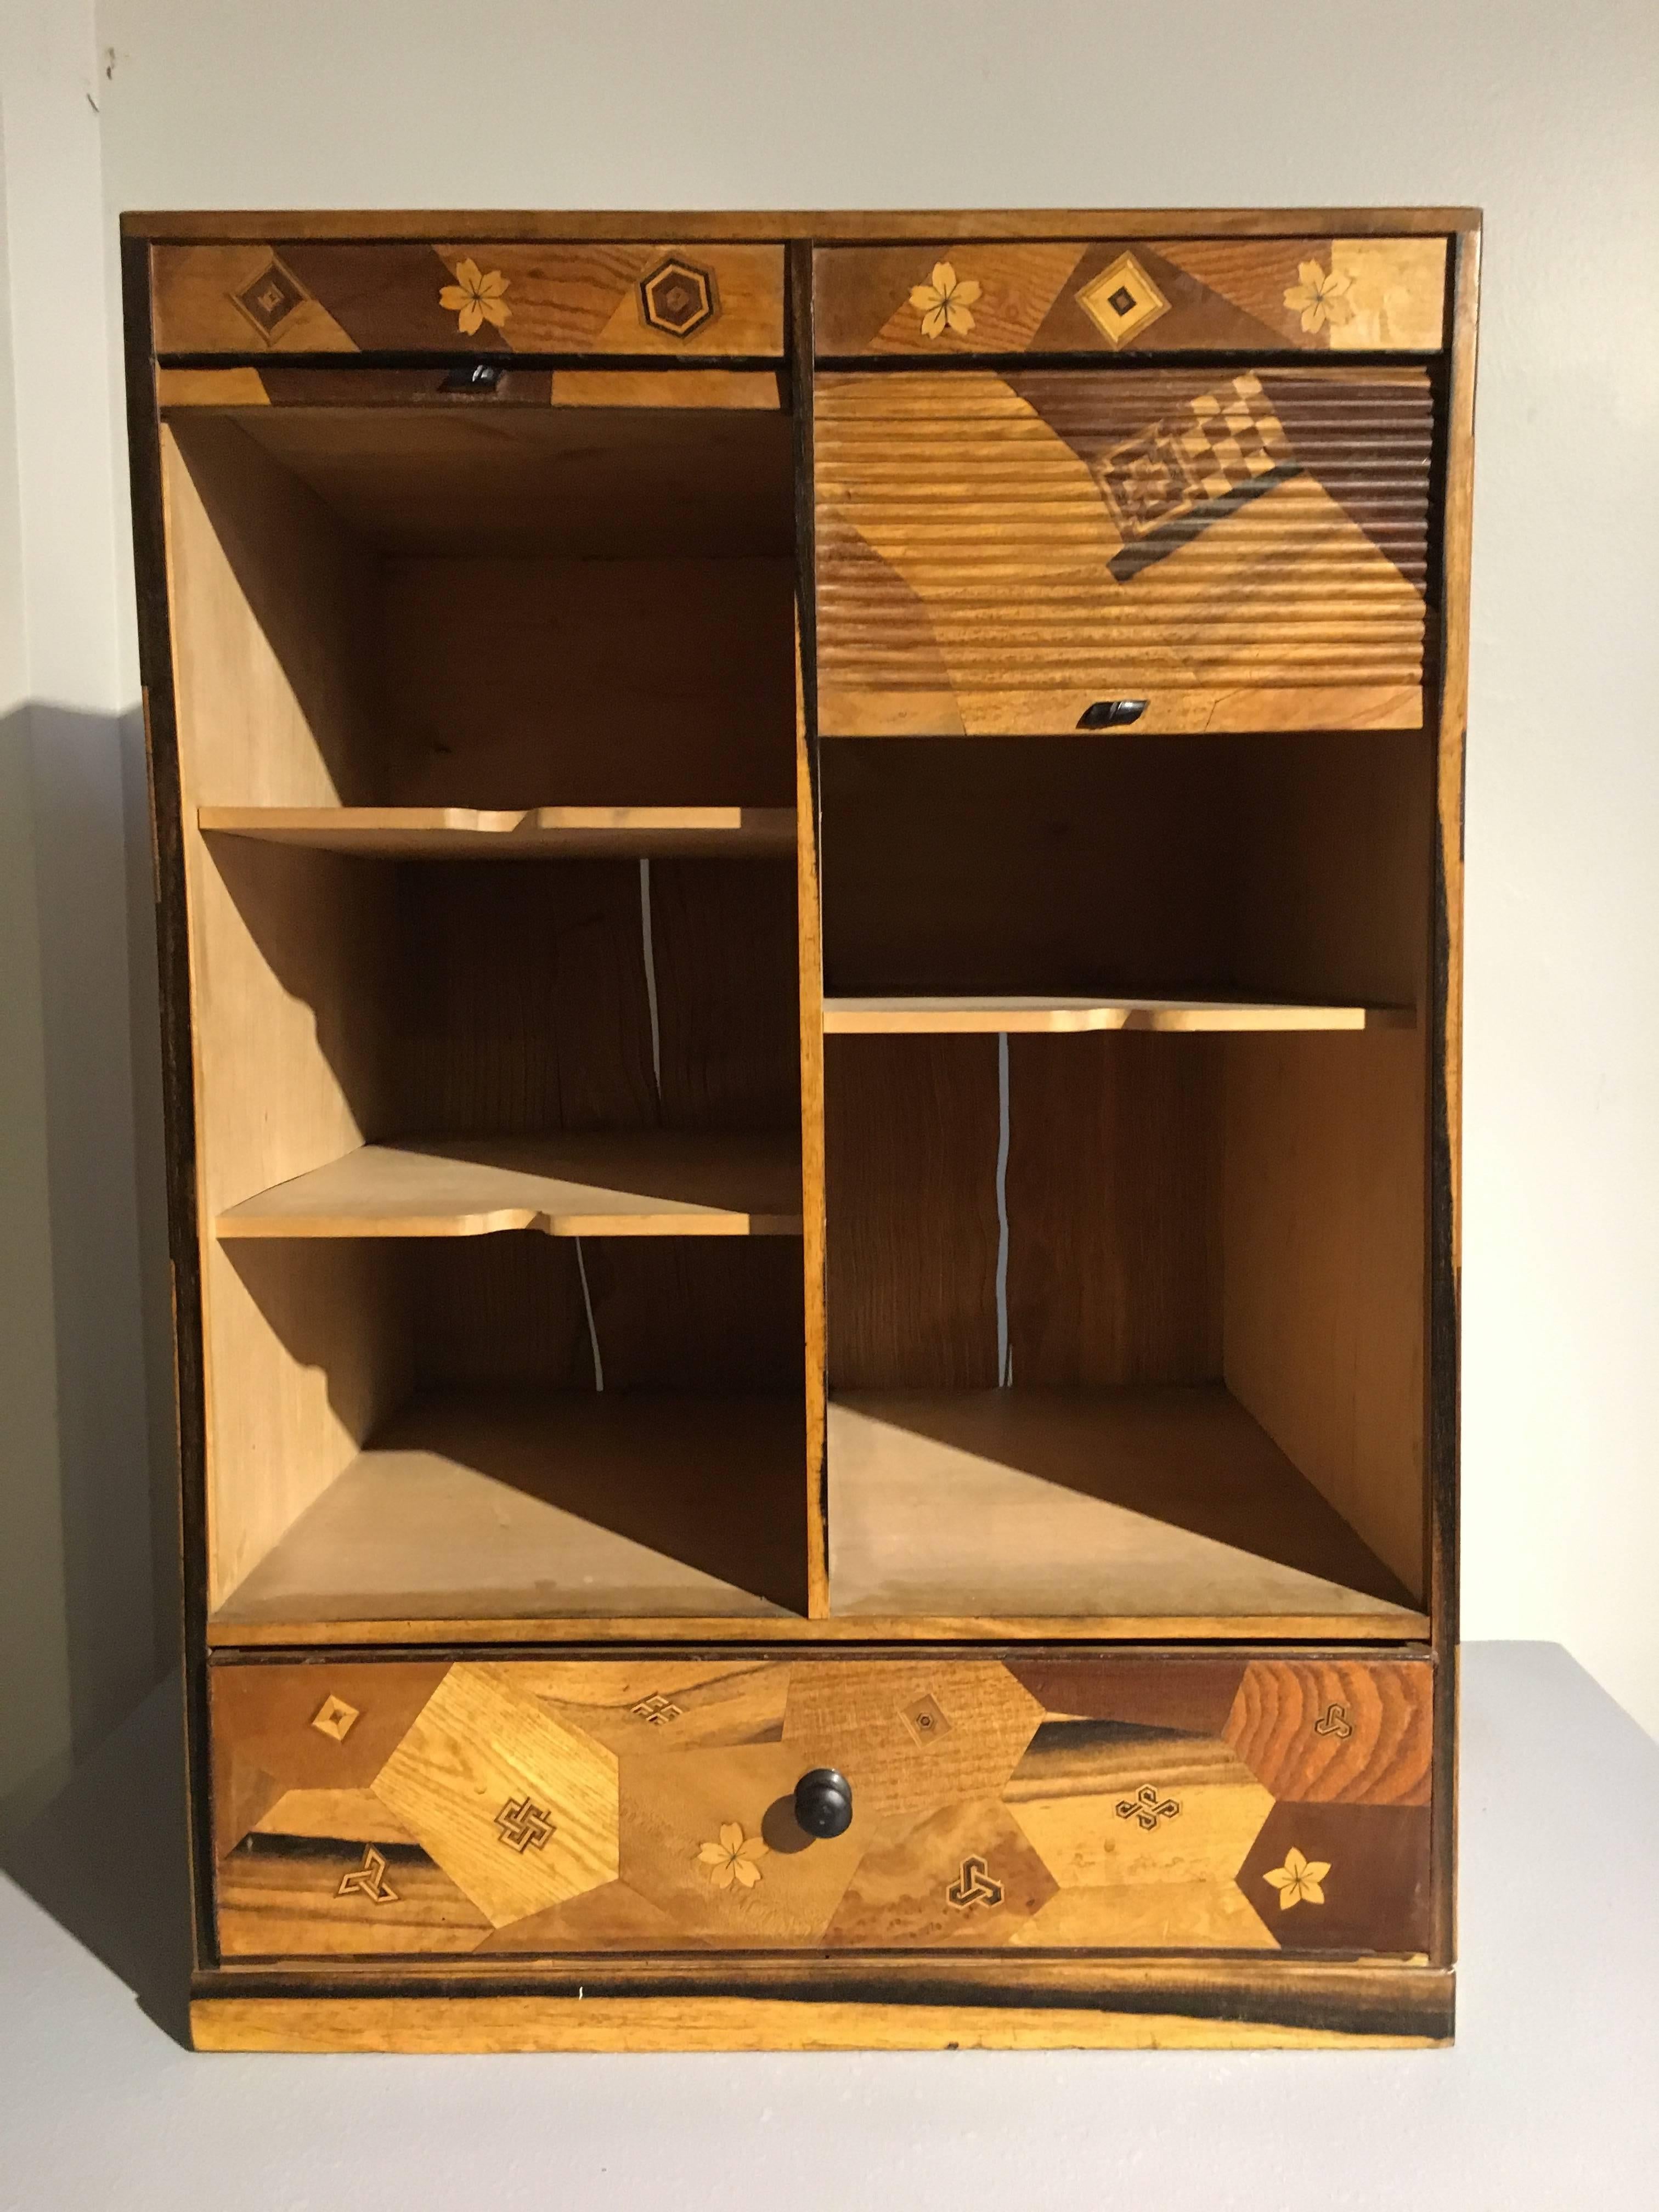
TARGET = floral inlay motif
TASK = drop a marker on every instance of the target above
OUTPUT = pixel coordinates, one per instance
(944, 304)
(1322, 297)
(1298, 1879)
(733, 1859)
(475, 297)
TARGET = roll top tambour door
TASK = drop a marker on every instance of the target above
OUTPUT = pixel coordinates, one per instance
(997, 552)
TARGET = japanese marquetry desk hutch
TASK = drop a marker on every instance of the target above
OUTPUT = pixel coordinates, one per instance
(810, 887)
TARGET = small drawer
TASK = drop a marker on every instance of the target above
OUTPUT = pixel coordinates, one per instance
(1131, 295)
(288, 295)
(545, 1806)
(1028, 552)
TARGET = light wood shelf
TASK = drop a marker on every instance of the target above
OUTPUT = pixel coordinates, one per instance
(1148, 1501)
(517, 834)
(651, 1182)
(577, 1505)
(898, 1017)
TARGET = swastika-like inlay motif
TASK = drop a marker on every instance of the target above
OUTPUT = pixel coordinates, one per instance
(368, 1880)
(334, 1717)
(268, 299)
(1147, 1808)
(975, 1885)
(657, 1710)
(524, 1826)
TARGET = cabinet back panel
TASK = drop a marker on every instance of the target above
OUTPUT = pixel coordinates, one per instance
(910, 1144)
(1113, 1210)
(1287, 865)
(528, 1003)
(534, 683)
(604, 484)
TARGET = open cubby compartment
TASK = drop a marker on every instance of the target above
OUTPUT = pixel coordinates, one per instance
(410, 640)
(422, 1433)
(394, 1053)
(466, 606)
(1129, 1327)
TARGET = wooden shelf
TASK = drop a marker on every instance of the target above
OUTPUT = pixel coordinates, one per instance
(920, 1015)
(533, 833)
(1088, 1504)
(651, 1182)
(572, 1505)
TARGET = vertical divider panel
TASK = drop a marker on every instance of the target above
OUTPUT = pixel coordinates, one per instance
(809, 937)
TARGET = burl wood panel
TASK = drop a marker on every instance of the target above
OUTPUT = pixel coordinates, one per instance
(1113, 296)
(291, 296)
(1238, 550)
(644, 1805)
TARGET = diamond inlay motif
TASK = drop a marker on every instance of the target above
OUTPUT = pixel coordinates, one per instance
(334, 1717)
(1123, 301)
(268, 299)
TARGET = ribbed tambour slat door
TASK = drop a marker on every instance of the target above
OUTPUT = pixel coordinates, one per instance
(1243, 550)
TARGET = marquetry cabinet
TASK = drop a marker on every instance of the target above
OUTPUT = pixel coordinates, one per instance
(809, 878)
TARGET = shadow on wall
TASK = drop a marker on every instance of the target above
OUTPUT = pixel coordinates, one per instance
(88, 1518)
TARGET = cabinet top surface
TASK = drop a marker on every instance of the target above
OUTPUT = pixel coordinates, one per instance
(862, 225)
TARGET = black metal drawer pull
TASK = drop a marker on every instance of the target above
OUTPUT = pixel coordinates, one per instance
(1111, 713)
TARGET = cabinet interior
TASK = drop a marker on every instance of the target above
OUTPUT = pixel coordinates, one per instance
(1127, 1323)
(499, 1184)
(499, 1177)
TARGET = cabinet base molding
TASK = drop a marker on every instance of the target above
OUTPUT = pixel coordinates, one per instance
(1122, 2008)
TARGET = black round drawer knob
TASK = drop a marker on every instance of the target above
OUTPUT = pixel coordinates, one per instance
(823, 1802)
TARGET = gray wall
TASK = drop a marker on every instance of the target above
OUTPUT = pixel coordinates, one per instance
(1543, 116)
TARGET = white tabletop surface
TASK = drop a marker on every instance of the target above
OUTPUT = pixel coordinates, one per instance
(1550, 2099)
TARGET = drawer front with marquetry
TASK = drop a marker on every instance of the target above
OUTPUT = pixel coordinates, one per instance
(292, 296)
(1107, 296)
(1028, 552)
(1175, 1802)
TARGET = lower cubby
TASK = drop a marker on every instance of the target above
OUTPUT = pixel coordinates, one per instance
(1126, 1331)
(512, 1426)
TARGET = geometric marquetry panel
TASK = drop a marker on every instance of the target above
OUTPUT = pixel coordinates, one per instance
(295, 296)
(1051, 1801)
(1234, 548)
(1103, 296)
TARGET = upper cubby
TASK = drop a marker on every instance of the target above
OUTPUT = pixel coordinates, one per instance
(459, 602)
(1284, 876)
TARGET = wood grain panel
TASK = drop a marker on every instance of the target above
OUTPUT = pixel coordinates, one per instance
(1115, 1255)
(1236, 550)
(727, 995)
(289, 295)
(574, 833)
(654, 1183)
(523, 1004)
(522, 683)
(1114, 294)
(1325, 1209)
(911, 1130)
(474, 2023)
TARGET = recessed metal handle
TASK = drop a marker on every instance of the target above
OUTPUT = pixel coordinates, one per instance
(823, 1802)
(480, 376)
(1111, 713)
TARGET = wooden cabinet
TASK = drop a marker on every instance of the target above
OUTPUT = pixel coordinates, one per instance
(810, 886)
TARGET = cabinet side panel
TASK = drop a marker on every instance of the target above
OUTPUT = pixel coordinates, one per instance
(177, 1083)
(289, 954)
